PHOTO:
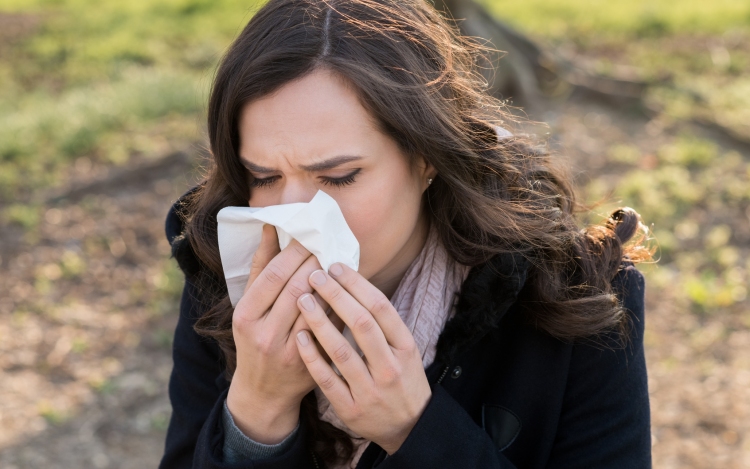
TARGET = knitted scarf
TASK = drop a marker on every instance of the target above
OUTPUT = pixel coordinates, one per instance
(425, 301)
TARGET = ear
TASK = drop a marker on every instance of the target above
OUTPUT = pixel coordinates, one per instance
(425, 171)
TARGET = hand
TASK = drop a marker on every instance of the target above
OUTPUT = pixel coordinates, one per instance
(383, 394)
(270, 379)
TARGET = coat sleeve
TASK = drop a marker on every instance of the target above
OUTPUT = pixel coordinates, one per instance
(194, 381)
(605, 419)
(195, 437)
(197, 389)
(193, 388)
(210, 447)
(445, 436)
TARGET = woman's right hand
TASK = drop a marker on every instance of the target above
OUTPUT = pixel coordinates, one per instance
(270, 379)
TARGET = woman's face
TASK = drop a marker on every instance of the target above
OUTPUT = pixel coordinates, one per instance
(318, 120)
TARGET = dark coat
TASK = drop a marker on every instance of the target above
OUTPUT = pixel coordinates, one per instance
(504, 394)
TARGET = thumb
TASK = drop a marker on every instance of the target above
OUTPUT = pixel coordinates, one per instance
(267, 250)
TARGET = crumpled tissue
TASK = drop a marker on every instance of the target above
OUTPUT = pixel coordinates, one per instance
(318, 225)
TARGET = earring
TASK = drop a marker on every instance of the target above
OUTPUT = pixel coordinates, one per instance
(429, 181)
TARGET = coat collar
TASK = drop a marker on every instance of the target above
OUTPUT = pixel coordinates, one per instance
(485, 297)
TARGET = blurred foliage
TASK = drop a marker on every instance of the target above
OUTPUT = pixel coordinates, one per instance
(694, 196)
(598, 19)
(88, 86)
(75, 42)
(693, 193)
(99, 85)
(703, 47)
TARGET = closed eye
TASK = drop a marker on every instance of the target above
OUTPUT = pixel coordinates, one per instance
(262, 182)
(339, 182)
(342, 181)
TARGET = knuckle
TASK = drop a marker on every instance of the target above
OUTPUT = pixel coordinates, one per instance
(381, 305)
(327, 381)
(264, 345)
(299, 249)
(391, 373)
(256, 263)
(364, 323)
(296, 288)
(285, 356)
(240, 322)
(318, 321)
(355, 413)
(351, 281)
(342, 353)
(273, 274)
(309, 358)
(336, 293)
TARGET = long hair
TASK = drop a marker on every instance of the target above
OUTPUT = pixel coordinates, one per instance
(419, 78)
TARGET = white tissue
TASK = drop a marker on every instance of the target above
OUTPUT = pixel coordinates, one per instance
(318, 225)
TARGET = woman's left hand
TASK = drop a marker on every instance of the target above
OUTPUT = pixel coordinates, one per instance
(383, 393)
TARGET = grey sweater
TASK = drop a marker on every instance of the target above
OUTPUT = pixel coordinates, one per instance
(238, 447)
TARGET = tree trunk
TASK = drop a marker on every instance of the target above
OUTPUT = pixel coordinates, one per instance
(527, 75)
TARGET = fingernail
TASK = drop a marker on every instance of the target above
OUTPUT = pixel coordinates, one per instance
(302, 337)
(307, 302)
(336, 269)
(318, 277)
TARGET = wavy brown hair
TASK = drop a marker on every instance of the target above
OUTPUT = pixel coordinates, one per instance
(421, 81)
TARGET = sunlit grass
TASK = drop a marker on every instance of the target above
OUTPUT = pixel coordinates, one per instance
(107, 122)
(79, 42)
(693, 196)
(103, 83)
(637, 18)
(89, 84)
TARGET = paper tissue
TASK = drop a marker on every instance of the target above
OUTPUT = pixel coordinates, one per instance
(318, 225)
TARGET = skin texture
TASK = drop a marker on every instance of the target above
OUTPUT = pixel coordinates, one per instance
(310, 120)
(319, 117)
(385, 391)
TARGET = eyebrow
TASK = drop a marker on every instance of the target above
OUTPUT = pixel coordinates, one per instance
(321, 166)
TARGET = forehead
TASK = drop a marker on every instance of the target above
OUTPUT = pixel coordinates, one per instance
(313, 116)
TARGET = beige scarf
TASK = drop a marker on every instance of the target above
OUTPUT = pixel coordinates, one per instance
(425, 301)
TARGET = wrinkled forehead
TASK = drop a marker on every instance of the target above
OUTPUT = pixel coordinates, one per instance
(313, 117)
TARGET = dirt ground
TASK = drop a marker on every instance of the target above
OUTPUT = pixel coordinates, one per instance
(85, 348)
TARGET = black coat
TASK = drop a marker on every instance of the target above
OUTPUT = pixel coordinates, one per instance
(504, 395)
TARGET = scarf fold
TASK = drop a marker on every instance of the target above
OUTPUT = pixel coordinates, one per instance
(425, 300)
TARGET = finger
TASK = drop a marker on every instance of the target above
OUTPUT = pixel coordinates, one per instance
(363, 325)
(301, 324)
(267, 250)
(330, 383)
(335, 319)
(346, 359)
(280, 319)
(372, 299)
(266, 287)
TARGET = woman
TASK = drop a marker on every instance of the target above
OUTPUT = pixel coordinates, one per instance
(495, 333)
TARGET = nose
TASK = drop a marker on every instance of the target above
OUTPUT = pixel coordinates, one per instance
(297, 191)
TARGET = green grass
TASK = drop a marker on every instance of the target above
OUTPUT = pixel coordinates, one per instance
(701, 46)
(694, 196)
(120, 79)
(107, 122)
(636, 18)
(101, 84)
(77, 42)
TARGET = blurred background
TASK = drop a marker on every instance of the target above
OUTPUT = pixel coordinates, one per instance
(102, 127)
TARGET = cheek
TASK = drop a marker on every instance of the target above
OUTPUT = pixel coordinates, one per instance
(382, 221)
